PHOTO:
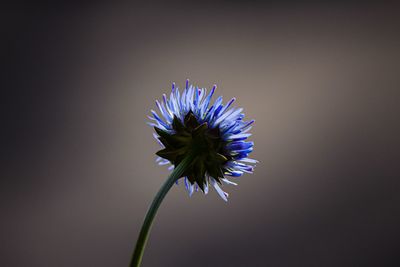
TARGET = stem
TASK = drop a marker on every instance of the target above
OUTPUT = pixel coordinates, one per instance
(144, 232)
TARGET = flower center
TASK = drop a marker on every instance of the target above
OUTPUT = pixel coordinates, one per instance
(192, 137)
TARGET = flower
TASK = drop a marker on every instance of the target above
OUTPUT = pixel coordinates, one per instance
(215, 134)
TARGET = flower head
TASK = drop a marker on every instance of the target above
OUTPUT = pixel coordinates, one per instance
(215, 133)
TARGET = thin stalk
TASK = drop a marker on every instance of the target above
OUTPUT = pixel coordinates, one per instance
(151, 213)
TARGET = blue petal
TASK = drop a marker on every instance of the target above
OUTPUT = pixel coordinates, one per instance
(235, 173)
(228, 182)
(208, 99)
(221, 193)
(240, 145)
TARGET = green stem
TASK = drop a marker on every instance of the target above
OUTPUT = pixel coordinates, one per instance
(144, 232)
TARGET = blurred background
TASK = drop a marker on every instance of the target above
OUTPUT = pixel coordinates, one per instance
(78, 171)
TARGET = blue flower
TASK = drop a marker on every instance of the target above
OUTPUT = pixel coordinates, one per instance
(215, 133)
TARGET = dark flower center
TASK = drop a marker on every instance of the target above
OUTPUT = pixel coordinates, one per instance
(192, 137)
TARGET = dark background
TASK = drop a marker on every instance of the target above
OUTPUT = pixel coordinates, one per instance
(78, 171)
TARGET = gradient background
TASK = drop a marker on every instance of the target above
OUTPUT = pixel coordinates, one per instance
(321, 81)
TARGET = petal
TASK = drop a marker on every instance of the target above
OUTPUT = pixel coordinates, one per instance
(235, 173)
(237, 137)
(191, 189)
(228, 182)
(240, 145)
(206, 187)
(221, 193)
(208, 99)
(249, 160)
